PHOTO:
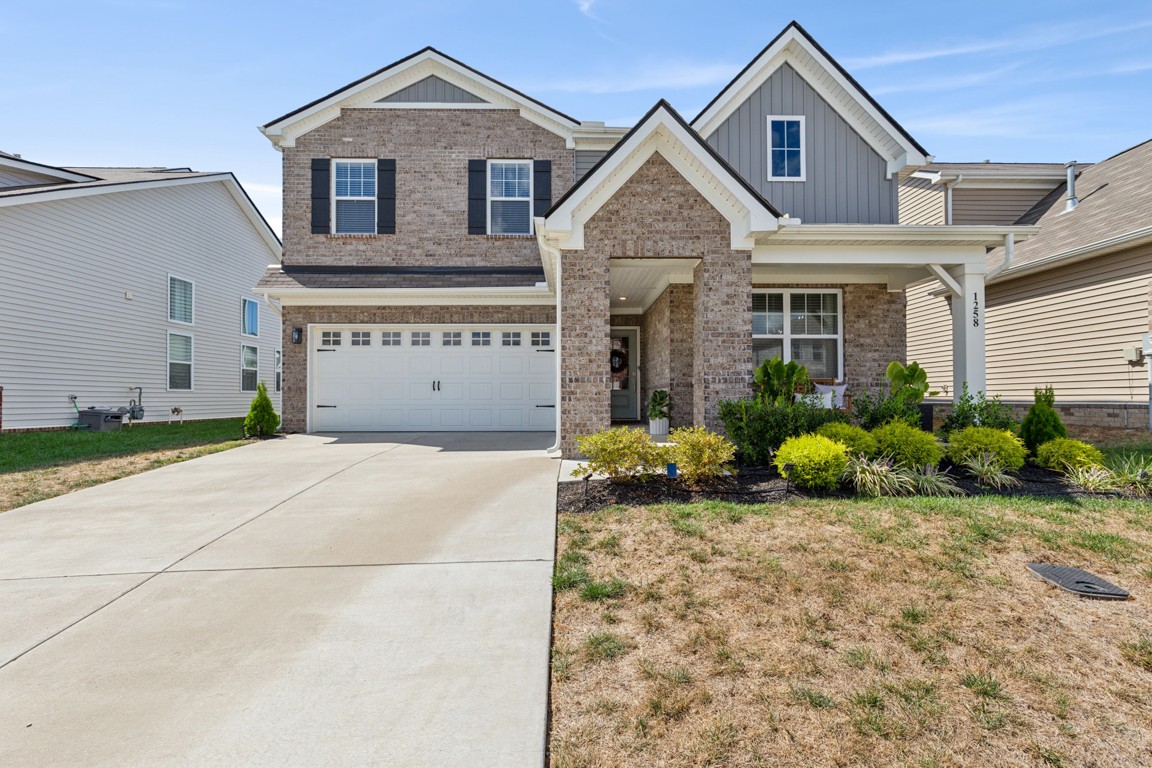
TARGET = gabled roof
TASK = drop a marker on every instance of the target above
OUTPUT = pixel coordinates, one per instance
(794, 46)
(1114, 213)
(662, 130)
(51, 171)
(369, 90)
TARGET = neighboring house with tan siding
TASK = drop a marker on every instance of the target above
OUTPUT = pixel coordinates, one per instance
(1069, 302)
(460, 256)
(114, 278)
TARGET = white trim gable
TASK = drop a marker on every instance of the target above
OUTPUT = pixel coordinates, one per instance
(367, 93)
(661, 132)
(794, 48)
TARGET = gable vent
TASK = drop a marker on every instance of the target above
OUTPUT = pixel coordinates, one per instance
(432, 90)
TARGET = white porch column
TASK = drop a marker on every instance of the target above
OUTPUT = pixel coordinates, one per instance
(968, 364)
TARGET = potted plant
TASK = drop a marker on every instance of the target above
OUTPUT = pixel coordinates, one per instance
(659, 406)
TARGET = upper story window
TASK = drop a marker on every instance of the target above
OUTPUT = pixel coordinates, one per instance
(354, 197)
(785, 148)
(510, 197)
(179, 300)
(249, 317)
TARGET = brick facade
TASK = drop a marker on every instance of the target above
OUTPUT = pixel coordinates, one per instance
(585, 404)
(432, 149)
(294, 379)
(722, 333)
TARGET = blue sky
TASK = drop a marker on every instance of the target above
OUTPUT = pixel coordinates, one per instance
(186, 82)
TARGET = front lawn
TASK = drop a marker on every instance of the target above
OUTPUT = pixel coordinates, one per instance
(839, 632)
(39, 465)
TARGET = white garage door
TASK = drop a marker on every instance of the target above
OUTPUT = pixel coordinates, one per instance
(448, 378)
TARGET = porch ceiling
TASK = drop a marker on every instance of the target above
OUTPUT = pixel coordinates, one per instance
(636, 283)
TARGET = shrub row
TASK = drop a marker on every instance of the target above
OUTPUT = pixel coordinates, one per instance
(623, 453)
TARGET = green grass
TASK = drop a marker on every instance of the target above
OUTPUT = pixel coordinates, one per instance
(37, 450)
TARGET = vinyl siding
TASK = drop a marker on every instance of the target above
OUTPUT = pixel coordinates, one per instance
(930, 333)
(992, 206)
(1066, 327)
(845, 178)
(67, 327)
(585, 159)
(433, 90)
(14, 178)
(921, 202)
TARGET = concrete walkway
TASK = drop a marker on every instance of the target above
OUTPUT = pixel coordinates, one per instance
(348, 600)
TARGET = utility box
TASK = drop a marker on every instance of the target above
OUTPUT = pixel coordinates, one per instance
(101, 419)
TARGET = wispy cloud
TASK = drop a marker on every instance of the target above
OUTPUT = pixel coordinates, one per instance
(647, 76)
(1131, 67)
(1031, 40)
(1035, 118)
(945, 83)
(585, 7)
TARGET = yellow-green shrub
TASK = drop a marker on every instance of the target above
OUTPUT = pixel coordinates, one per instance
(1003, 446)
(817, 461)
(907, 446)
(855, 439)
(621, 453)
(1064, 454)
(700, 454)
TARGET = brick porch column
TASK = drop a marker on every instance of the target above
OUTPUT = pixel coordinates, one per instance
(722, 349)
(681, 352)
(585, 398)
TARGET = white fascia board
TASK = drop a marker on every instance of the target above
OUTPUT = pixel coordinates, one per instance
(849, 256)
(986, 235)
(661, 133)
(17, 164)
(978, 178)
(771, 60)
(364, 95)
(1133, 239)
(412, 297)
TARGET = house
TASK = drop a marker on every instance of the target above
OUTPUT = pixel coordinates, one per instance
(118, 278)
(1069, 306)
(459, 255)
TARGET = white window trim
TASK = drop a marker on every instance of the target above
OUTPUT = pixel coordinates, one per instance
(168, 291)
(244, 301)
(531, 195)
(242, 368)
(168, 333)
(332, 212)
(803, 148)
(787, 337)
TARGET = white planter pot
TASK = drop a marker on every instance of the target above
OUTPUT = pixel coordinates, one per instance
(657, 426)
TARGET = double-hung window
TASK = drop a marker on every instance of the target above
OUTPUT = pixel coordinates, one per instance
(249, 317)
(510, 197)
(249, 367)
(179, 361)
(785, 148)
(355, 197)
(179, 300)
(801, 325)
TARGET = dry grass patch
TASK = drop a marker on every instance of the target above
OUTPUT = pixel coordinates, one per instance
(843, 632)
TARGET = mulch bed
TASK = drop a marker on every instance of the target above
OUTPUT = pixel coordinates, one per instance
(764, 485)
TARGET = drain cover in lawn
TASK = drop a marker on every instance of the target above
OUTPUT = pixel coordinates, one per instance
(1077, 581)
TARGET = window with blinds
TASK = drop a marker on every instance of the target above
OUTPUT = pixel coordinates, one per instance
(510, 197)
(355, 197)
(179, 300)
(249, 367)
(179, 361)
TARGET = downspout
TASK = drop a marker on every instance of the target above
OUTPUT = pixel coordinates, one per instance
(948, 185)
(1009, 252)
(555, 254)
(267, 300)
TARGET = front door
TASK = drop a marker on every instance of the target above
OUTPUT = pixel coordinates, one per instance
(623, 362)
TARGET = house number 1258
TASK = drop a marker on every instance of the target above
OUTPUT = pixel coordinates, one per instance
(975, 310)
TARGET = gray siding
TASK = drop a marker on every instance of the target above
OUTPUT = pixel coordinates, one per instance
(13, 178)
(992, 206)
(585, 159)
(433, 90)
(69, 327)
(845, 179)
(921, 202)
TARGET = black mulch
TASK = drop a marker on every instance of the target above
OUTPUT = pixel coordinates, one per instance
(764, 485)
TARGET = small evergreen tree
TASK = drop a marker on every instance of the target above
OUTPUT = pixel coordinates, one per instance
(1042, 422)
(262, 420)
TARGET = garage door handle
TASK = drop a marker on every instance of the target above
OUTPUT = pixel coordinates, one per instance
(545, 350)
(325, 350)
(325, 406)
(545, 406)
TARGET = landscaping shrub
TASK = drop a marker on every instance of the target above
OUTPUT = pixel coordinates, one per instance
(1004, 446)
(621, 453)
(855, 439)
(1064, 455)
(1133, 473)
(262, 420)
(875, 410)
(759, 428)
(933, 481)
(1042, 422)
(907, 446)
(989, 472)
(907, 382)
(1094, 478)
(817, 462)
(876, 477)
(978, 411)
(776, 382)
(700, 454)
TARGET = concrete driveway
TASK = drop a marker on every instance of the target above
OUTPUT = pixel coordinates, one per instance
(347, 600)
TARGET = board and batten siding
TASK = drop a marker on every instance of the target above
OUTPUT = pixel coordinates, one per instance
(993, 206)
(432, 90)
(846, 180)
(67, 327)
(1066, 327)
(921, 202)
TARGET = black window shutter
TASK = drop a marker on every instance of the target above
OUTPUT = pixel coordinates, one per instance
(541, 187)
(385, 197)
(321, 196)
(477, 197)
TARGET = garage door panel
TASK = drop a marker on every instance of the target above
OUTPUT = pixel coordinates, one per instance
(391, 391)
(421, 364)
(511, 365)
(479, 392)
(542, 365)
(451, 391)
(480, 365)
(452, 417)
(480, 417)
(511, 390)
(511, 418)
(541, 392)
(451, 365)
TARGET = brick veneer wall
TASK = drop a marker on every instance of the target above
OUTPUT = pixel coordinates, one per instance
(585, 403)
(723, 338)
(432, 149)
(295, 375)
(654, 349)
(681, 360)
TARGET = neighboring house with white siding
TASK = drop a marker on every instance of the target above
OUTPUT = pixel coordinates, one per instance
(1070, 301)
(116, 278)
